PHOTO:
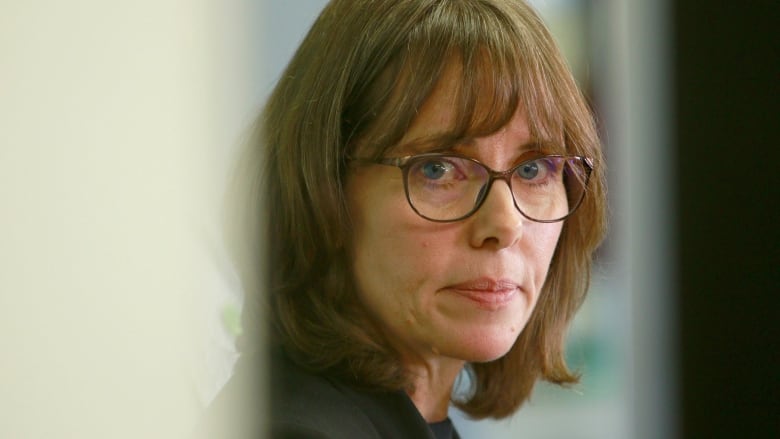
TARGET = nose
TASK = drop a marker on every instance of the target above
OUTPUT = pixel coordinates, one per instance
(497, 223)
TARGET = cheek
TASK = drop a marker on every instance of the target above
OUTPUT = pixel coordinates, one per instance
(541, 241)
(544, 240)
(395, 256)
(380, 239)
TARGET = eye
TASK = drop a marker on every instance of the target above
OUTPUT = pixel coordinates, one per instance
(538, 170)
(530, 170)
(435, 169)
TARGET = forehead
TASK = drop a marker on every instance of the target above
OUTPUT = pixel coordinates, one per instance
(437, 115)
(439, 118)
(468, 86)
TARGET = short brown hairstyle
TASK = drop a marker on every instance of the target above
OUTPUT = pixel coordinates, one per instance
(359, 77)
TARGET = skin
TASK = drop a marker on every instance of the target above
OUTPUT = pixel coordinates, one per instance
(447, 293)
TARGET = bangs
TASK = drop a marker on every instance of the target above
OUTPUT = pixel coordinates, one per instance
(499, 70)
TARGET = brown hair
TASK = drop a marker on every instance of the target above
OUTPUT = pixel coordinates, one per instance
(360, 75)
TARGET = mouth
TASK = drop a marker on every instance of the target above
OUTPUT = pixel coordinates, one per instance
(487, 293)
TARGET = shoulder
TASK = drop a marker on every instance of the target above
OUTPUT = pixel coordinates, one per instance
(304, 401)
(302, 404)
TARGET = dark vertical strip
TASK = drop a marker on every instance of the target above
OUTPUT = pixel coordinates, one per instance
(727, 118)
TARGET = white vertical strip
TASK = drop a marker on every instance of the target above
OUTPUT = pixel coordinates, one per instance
(114, 136)
(642, 164)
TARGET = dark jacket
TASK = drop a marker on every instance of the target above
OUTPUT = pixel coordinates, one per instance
(306, 405)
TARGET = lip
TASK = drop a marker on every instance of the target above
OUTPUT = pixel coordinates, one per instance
(486, 292)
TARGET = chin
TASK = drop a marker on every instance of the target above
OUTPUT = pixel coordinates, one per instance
(486, 355)
(484, 346)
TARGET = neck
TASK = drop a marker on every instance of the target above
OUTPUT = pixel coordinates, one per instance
(433, 387)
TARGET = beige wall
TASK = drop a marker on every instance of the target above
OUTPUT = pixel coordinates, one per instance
(117, 124)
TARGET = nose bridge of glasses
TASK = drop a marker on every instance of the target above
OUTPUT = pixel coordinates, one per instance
(505, 176)
(492, 177)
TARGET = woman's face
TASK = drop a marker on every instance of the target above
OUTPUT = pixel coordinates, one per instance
(462, 290)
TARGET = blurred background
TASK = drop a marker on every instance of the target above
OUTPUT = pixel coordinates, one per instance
(119, 125)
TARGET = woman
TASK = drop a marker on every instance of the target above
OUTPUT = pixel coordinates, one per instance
(436, 192)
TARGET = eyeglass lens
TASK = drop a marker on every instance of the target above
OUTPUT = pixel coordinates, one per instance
(445, 188)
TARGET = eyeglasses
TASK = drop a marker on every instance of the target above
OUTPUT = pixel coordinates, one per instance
(447, 188)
